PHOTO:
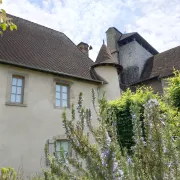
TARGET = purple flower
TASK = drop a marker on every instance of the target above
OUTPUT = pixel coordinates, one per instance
(115, 164)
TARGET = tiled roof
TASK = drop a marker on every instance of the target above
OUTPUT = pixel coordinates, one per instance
(162, 64)
(104, 55)
(38, 47)
(105, 58)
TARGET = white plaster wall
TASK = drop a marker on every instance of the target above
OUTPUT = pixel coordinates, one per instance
(133, 54)
(24, 130)
(109, 73)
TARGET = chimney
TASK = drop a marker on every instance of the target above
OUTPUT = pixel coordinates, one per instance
(84, 47)
(113, 36)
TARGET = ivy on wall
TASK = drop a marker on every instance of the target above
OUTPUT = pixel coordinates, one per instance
(122, 110)
(172, 92)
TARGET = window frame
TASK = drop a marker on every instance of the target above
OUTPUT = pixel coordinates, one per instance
(25, 83)
(22, 89)
(63, 140)
(61, 95)
(62, 82)
(51, 142)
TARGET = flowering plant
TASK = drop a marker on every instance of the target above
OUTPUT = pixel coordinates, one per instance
(97, 153)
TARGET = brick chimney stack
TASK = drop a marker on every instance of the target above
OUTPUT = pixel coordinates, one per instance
(84, 47)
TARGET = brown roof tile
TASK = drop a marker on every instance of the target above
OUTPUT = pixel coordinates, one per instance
(38, 47)
(105, 58)
(104, 55)
(162, 64)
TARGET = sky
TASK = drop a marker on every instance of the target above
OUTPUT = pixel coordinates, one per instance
(158, 21)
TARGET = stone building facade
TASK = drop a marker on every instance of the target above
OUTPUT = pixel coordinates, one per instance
(142, 64)
(42, 73)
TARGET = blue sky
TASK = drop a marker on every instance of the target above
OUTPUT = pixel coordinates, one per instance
(158, 21)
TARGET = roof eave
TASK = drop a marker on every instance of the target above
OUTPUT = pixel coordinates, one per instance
(49, 71)
(118, 66)
(137, 35)
(141, 81)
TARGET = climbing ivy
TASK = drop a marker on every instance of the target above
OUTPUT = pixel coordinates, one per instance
(172, 91)
(122, 109)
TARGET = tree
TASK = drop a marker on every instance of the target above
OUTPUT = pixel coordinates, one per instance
(96, 151)
(5, 21)
(155, 155)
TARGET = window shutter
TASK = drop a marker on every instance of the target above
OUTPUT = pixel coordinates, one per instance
(50, 149)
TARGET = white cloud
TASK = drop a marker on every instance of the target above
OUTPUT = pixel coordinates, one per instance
(80, 20)
(87, 20)
(159, 22)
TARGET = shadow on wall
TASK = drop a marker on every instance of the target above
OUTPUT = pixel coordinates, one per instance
(130, 75)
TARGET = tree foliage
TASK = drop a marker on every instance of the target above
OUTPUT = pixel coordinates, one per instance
(173, 90)
(97, 153)
(155, 152)
(8, 174)
(5, 22)
(122, 108)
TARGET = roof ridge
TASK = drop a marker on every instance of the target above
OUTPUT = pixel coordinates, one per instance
(50, 29)
(166, 51)
(43, 26)
(41, 47)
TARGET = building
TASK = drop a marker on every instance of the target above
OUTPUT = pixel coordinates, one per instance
(42, 72)
(142, 64)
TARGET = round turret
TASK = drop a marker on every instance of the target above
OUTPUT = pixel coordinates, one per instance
(109, 70)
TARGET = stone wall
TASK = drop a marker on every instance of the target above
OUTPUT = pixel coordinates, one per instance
(24, 130)
(132, 57)
(155, 84)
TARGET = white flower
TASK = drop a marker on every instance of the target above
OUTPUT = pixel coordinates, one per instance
(108, 139)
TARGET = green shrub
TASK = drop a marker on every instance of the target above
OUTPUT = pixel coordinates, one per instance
(173, 90)
(8, 174)
(156, 154)
(122, 110)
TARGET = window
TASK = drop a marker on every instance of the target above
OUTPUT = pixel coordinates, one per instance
(56, 146)
(60, 144)
(62, 92)
(17, 89)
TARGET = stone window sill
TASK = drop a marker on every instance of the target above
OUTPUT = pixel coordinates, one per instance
(61, 108)
(15, 104)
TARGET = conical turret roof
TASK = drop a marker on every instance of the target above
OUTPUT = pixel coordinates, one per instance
(105, 58)
(104, 55)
